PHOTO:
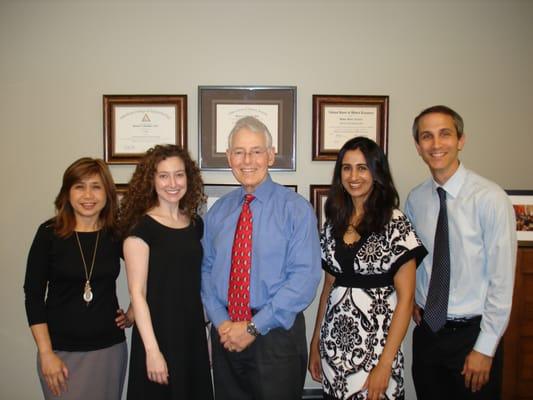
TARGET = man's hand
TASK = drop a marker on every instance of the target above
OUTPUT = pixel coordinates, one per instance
(234, 336)
(476, 370)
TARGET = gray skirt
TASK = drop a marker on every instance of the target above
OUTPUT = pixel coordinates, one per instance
(92, 375)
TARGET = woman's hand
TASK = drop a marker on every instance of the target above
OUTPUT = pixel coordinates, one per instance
(55, 372)
(124, 319)
(315, 367)
(377, 381)
(156, 366)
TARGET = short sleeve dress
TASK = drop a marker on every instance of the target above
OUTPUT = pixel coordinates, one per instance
(360, 306)
(173, 297)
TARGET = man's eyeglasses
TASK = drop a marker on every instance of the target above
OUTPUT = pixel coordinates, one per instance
(240, 154)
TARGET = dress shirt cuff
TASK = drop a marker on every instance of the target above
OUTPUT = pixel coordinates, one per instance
(486, 344)
(262, 321)
(218, 316)
(267, 319)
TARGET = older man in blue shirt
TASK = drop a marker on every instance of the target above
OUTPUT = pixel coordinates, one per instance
(259, 344)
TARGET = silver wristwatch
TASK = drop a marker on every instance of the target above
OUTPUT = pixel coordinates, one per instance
(252, 329)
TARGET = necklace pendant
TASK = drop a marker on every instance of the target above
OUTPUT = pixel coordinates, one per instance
(87, 293)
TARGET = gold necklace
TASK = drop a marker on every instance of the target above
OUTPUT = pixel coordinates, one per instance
(87, 291)
(351, 228)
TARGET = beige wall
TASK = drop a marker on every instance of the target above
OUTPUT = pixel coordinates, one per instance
(57, 58)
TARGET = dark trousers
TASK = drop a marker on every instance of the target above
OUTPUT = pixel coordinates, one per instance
(273, 367)
(438, 360)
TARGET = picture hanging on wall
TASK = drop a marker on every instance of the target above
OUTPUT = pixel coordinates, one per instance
(522, 201)
(134, 123)
(318, 195)
(337, 118)
(219, 107)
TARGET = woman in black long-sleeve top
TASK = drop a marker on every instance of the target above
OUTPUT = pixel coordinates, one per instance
(71, 301)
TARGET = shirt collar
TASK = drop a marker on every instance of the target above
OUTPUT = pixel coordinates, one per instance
(454, 183)
(263, 191)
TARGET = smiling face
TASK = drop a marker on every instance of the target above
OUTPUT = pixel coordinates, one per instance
(356, 177)
(170, 181)
(249, 158)
(87, 198)
(439, 145)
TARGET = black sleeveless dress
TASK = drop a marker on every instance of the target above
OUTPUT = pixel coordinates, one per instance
(173, 297)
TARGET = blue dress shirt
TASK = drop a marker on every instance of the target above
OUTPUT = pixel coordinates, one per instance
(482, 231)
(286, 266)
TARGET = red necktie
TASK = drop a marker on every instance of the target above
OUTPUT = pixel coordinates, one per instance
(241, 261)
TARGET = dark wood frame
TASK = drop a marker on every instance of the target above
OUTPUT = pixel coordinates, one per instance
(111, 101)
(121, 188)
(320, 101)
(210, 96)
(527, 238)
(316, 193)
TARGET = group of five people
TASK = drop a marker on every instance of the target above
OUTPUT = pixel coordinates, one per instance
(253, 264)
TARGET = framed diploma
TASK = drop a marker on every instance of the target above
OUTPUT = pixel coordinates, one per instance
(522, 201)
(216, 191)
(219, 107)
(134, 123)
(339, 118)
(318, 195)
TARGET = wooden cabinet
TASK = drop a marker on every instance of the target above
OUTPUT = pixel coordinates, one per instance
(518, 340)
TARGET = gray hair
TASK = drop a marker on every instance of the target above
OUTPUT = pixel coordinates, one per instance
(457, 119)
(252, 124)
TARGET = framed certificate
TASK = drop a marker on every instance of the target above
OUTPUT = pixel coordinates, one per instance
(219, 107)
(134, 123)
(337, 119)
(522, 201)
(318, 195)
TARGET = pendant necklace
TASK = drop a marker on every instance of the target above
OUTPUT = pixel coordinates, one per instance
(87, 291)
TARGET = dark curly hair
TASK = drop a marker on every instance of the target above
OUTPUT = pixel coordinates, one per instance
(379, 205)
(141, 195)
(64, 221)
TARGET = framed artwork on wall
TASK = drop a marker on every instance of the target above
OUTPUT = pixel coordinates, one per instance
(318, 195)
(219, 107)
(337, 118)
(134, 123)
(522, 201)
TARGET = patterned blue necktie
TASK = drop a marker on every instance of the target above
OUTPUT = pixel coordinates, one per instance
(436, 310)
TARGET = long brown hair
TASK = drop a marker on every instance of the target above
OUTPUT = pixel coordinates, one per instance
(141, 195)
(65, 219)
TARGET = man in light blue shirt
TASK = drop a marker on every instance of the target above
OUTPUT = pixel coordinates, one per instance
(264, 357)
(463, 359)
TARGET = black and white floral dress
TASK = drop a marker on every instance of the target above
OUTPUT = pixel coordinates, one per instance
(360, 306)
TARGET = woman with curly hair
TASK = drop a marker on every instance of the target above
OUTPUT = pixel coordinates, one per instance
(71, 300)
(369, 254)
(163, 254)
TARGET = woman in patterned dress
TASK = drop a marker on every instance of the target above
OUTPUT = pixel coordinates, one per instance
(369, 255)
